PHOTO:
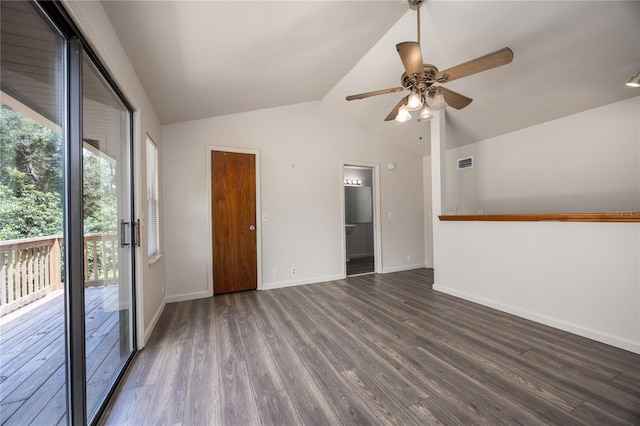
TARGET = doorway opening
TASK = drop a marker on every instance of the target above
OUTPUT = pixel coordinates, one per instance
(360, 219)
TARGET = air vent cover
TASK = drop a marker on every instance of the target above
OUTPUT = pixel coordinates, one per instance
(465, 163)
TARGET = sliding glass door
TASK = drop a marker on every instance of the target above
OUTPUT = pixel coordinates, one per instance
(107, 218)
(67, 240)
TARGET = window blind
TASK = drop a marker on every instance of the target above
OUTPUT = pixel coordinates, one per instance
(153, 238)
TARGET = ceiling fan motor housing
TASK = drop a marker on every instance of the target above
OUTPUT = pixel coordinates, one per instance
(416, 81)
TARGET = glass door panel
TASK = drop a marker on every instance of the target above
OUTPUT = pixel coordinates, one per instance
(107, 213)
(33, 384)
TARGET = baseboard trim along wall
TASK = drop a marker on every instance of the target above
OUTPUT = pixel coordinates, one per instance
(188, 296)
(152, 325)
(294, 283)
(402, 268)
(561, 325)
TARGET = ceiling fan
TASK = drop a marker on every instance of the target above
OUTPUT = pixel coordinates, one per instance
(421, 78)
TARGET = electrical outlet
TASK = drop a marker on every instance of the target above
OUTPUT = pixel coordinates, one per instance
(293, 270)
(276, 273)
(408, 257)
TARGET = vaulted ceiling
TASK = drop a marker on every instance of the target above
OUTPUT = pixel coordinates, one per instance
(200, 59)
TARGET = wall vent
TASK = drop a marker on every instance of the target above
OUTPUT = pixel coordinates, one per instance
(465, 163)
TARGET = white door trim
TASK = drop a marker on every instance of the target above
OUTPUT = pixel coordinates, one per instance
(377, 236)
(211, 148)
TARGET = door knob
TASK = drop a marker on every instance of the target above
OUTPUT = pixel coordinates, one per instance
(253, 228)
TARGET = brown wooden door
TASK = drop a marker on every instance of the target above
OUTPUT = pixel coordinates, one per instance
(233, 211)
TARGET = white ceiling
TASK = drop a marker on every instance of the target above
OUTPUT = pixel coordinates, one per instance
(209, 58)
(200, 59)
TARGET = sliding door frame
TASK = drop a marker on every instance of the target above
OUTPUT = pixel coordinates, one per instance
(73, 241)
(76, 363)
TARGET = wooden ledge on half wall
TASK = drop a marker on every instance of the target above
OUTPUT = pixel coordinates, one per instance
(610, 216)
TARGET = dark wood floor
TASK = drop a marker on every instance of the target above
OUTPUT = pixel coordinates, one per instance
(375, 349)
(32, 356)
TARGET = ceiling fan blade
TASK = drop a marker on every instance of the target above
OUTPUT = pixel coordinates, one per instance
(394, 112)
(374, 93)
(411, 57)
(454, 99)
(474, 66)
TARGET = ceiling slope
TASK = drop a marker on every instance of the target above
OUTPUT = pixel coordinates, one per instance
(199, 59)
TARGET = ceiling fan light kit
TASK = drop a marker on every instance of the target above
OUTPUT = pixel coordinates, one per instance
(420, 79)
(403, 114)
(426, 114)
(414, 102)
(438, 102)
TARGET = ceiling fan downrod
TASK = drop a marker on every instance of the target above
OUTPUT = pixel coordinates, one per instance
(415, 4)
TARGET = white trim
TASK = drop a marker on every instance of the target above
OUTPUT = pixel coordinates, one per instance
(187, 296)
(138, 273)
(255, 152)
(403, 268)
(152, 325)
(542, 319)
(377, 238)
(294, 283)
(153, 259)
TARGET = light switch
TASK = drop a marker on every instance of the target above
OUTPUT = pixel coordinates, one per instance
(390, 215)
(265, 217)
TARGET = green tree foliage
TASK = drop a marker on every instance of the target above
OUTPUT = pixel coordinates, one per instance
(99, 194)
(31, 148)
(31, 190)
(30, 177)
(31, 213)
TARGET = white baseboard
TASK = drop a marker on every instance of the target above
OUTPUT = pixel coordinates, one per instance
(542, 319)
(154, 321)
(294, 283)
(402, 268)
(188, 296)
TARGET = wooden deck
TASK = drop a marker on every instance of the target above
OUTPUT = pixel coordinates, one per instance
(376, 350)
(32, 353)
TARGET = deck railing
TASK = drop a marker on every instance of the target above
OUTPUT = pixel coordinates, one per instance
(100, 259)
(32, 267)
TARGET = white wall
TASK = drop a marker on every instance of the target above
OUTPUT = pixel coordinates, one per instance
(95, 26)
(428, 212)
(580, 277)
(302, 148)
(586, 162)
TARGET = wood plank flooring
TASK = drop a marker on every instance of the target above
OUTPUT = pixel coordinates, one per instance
(373, 349)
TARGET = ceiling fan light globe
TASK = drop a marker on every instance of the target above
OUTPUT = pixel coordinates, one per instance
(438, 102)
(414, 102)
(403, 115)
(425, 114)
